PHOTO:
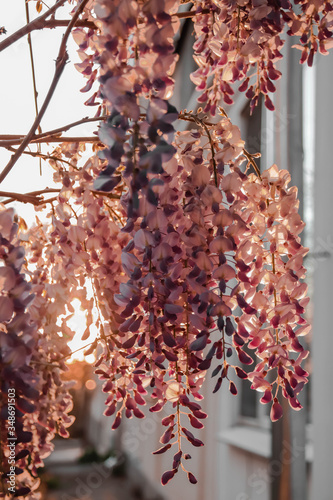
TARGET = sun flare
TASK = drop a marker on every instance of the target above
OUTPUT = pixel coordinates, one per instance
(78, 324)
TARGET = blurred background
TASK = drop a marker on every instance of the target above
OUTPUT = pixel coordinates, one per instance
(245, 457)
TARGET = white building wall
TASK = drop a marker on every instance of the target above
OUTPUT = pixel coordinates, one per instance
(322, 366)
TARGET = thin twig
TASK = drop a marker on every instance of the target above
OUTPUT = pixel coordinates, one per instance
(111, 210)
(248, 155)
(60, 65)
(32, 64)
(36, 24)
(107, 195)
(41, 363)
(43, 156)
(191, 118)
(33, 73)
(79, 349)
(204, 125)
(66, 356)
(65, 128)
(253, 163)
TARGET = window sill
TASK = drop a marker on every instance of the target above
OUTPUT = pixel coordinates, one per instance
(255, 441)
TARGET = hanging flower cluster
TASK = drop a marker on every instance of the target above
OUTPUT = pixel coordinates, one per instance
(34, 401)
(191, 262)
(241, 41)
(213, 267)
(269, 270)
(183, 259)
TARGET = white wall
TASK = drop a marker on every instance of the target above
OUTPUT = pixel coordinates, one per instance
(322, 402)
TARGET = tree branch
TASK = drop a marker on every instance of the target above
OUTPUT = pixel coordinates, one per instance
(34, 197)
(36, 24)
(191, 13)
(64, 128)
(44, 191)
(54, 138)
(7, 140)
(59, 23)
(107, 195)
(60, 65)
(24, 198)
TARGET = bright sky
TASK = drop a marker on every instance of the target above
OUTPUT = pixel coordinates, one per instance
(17, 108)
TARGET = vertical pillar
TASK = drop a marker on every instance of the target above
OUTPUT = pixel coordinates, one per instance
(298, 483)
(322, 366)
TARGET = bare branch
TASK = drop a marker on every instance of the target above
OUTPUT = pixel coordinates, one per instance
(34, 197)
(10, 137)
(107, 195)
(64, 128)
(54, 135)
(60, 64)
(24, 198)
(28, 28)
(49, 139)
(34, 201)
(59, 23)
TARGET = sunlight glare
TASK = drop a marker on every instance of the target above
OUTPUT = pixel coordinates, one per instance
(78, 324)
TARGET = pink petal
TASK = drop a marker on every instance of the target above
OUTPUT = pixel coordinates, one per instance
(276, 411)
